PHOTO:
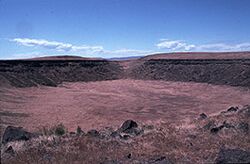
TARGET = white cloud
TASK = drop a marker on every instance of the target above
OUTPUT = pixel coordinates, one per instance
(175, 45)
(58, 46)
(126, 52)
(178, 45)
(224, 47)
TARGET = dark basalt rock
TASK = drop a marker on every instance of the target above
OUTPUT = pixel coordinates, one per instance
(129, 155)
(160, 160)
(114, 134)
(215, 130)
(128, 126)
(245, 111)
(10, 150)
(244, 127)
(16, 134)
(209, 125)
(227, 125)
(233, 109)
(93, 133)
(125, 137)
(203, 116)
(233, 156)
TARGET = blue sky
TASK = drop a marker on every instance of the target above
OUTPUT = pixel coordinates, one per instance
(118, 28)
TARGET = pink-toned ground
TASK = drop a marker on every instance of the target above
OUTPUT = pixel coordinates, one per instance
(109, 103)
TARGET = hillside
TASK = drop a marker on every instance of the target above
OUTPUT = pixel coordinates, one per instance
(227, 68)
(28, 73)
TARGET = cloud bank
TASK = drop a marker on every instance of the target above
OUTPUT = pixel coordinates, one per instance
(59, 46)
(70, 48)
(178, 45)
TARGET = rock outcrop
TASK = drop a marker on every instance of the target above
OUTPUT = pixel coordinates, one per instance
(16, 134)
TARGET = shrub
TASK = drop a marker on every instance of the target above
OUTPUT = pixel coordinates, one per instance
(57, 130)
(79, 130)
(60, 130)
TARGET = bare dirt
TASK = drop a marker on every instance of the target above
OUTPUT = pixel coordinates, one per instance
(108, 103)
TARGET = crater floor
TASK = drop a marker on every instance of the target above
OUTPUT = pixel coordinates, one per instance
(108, 103)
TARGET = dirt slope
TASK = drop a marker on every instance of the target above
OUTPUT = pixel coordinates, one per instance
(28, 73)
(234, 72)
(228, 68)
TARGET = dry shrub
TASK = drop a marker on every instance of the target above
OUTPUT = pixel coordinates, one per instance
(58, 130)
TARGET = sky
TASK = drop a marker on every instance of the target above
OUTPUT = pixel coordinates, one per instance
(120, 28)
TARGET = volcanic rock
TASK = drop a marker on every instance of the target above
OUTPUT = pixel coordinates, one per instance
(227, 125)
(93, 133)
(15, 134)
(203, 116)
(244, 127)
(232, 109)
(233, 156)
(128, 126)
(209, 125)
(216, 129)
(160, 160)
(10, 150)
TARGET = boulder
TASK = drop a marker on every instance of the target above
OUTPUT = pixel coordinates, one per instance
(93, 133)
(232, 156)
(128, 125)
(215, 130)
(10, 150)
(203, 116)
(233, 109)
(12, 133)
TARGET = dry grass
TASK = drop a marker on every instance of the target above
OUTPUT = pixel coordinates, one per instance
(182, 145)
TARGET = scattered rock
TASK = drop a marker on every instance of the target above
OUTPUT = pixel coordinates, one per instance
(129, 155)
(227, 125)
(114, 134)
(72, 133)
(215, 130)
(12, 133)
(127, 126)
(245, 111)
(160, 160)
(10, 150)
(93, 133)
(233, 156)
(148, 127)
(243, 126)
(130, 127)
(203, 116)
(192, 136)
(125, 137)
(233, 109)
(209, 125)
